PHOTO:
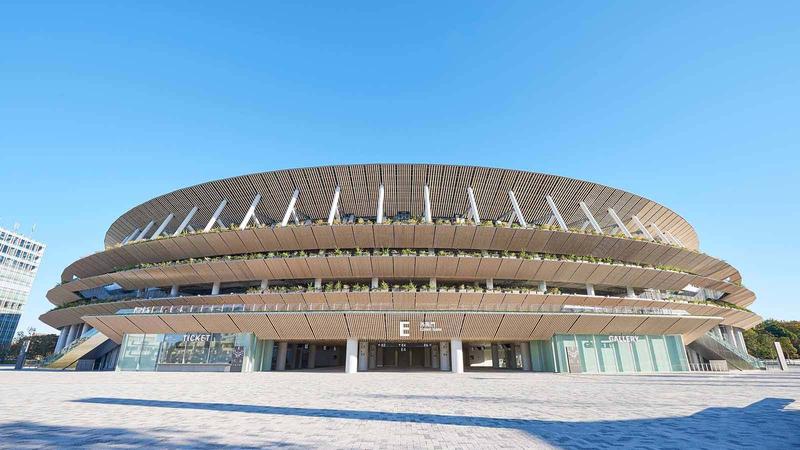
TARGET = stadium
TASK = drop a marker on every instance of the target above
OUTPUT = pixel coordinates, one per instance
(371, 267)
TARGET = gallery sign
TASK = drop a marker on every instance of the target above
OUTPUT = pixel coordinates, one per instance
(623, 338)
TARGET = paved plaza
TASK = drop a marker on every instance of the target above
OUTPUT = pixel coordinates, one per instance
(398, 410)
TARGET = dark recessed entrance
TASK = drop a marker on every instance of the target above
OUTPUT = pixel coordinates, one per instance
(404, 356)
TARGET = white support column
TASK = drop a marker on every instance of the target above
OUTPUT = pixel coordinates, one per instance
(556, 213)
(675, 240)
(591, 218)
(619, 223)
(85, 329)
(215, 216)
(426, 193)
(542, 287)
(73, 330)
(444, 356)
(363, 356)
(144, 232)
(590, 289)
(525, 348)
(432, 283)
(740, 339)
(642, 228)
(173, 292)
(215, 288)
(163, 225)
(130, 236)
(290, 208)
(374, 283)
(190, 228)
(334, 206)
(250, 212)
(62, 337)
(473, 207)
(629, 292)
(456, 356)
(280, 362)
(351, 358)
(517, 211)
(318, 284)
(490, 284)
(264, 285)
(185, 222)
(660, 234)
(379, 213)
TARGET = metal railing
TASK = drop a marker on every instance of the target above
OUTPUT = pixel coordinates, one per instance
(707, 367)
(67, 348)
(752, 360)
(305, 307)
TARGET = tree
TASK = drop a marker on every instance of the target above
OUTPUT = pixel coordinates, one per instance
(789, 350)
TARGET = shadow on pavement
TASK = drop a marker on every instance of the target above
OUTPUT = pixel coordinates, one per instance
(764, 424)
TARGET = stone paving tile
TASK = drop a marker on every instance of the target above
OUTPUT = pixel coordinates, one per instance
(296, 410)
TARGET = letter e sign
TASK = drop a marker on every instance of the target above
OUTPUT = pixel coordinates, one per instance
(405, 326)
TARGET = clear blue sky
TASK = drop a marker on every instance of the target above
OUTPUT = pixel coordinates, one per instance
(104, 106)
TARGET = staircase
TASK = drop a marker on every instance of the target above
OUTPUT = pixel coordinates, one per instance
(76, 350)
(711, 346)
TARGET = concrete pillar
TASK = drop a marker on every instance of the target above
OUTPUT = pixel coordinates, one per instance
(294, 350)
(630, 292)
(266, 356)
(173, 291)
(456, 356)
(730, 337)
(280, 363)
(525, 347)
(318, 283)
(373, 356)
(435, 356)
(363, 356)
(73, 330)
(590, 289)
(62, 337)
(312, 356)
(374, 283)
(351, 357)
(84, 329)
(495, 356)
(542, 287)
(490, 284)
(215, 288)
(740, 339)
(264, 285)
(432, 283)
(444, 356)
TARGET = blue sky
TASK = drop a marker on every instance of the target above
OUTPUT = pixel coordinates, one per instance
(103, 106)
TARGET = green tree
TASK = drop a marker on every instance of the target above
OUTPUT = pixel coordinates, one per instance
(789, 349)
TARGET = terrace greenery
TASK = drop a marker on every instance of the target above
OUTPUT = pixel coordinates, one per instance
(383, 252)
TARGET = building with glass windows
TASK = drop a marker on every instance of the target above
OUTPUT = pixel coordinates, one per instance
(373, 267)
(20, 257)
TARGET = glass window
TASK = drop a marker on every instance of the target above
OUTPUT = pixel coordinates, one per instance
(642, 355)
(677, 354)
(172, 349)
(131, 349)
(149, 353)
(658, 347)
(221, 348)
(607, 350)
(588, 352)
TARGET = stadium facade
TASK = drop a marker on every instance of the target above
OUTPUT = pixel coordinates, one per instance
(400, 267)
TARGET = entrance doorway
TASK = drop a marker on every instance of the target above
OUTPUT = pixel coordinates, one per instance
(404, 356)
(301, 355)
(494, 355)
